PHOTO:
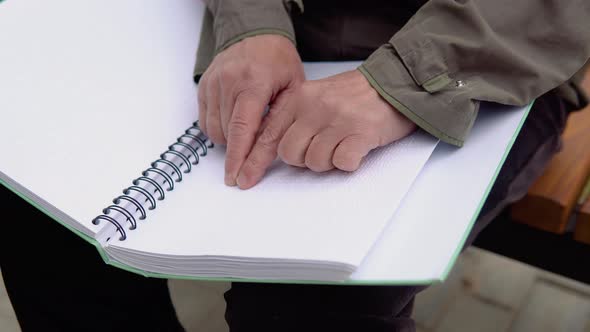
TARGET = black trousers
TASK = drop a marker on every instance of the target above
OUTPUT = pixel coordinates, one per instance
(57, 282)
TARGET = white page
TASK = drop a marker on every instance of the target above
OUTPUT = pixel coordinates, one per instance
(292, 214)
(90, 93)
(430, 226)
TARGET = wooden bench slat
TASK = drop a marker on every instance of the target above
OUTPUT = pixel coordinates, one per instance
(582, 232)
(552, 198)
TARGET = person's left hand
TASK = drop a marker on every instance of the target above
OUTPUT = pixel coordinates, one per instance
(326, 124)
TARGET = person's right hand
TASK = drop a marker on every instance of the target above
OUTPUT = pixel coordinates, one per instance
(239, 84)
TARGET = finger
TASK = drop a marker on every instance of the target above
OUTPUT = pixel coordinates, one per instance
(227, 87)
(227, 103)
(294, 144)
(214, 130)
(202, 97)
(243, 126)
(351, 151)
(321, 150)
(264, 151)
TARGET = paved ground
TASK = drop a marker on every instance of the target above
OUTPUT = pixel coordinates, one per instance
(485, 292)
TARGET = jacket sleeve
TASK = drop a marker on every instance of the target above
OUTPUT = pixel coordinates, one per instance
(229, 21)
(452, 54)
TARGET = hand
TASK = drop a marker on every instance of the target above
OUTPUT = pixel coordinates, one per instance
(237, 87)
(328, 123)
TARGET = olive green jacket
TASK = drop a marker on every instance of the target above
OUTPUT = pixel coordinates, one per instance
(449, 56)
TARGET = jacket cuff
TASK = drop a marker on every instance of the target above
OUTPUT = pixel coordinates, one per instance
(227, 22)
(428, 97)
(235, 20)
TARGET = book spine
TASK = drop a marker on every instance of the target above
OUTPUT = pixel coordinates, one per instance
(155, 181)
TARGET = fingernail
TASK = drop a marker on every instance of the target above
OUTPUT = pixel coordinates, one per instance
(241, 180)
(230, 180)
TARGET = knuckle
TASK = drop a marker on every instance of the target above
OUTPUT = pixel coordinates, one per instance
(251, 164)
(245, 91)
(236, 75)
(269, 137)
(228, 73)
(253, 90)
(330, 107)
(237, 69)
(233, 159)
(238, 125)
(247, 70)
(239, 122)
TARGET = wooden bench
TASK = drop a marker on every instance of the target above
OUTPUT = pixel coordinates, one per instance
(550, 227)
(552, 201)
(582, 232)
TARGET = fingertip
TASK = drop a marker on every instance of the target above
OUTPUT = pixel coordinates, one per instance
(347, 162)
(244, 182)
(232, 169)
(250, 173)
(229, 180)
(354, 166)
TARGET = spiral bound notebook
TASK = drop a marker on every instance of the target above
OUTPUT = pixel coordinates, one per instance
(99, 132)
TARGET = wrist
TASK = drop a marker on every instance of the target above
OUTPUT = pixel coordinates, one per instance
(272, 36)
(395, 125)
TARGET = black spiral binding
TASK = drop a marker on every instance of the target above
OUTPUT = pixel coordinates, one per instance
(193, 144)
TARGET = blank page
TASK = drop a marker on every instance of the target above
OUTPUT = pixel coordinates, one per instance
(91, 92)
(424, 237)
